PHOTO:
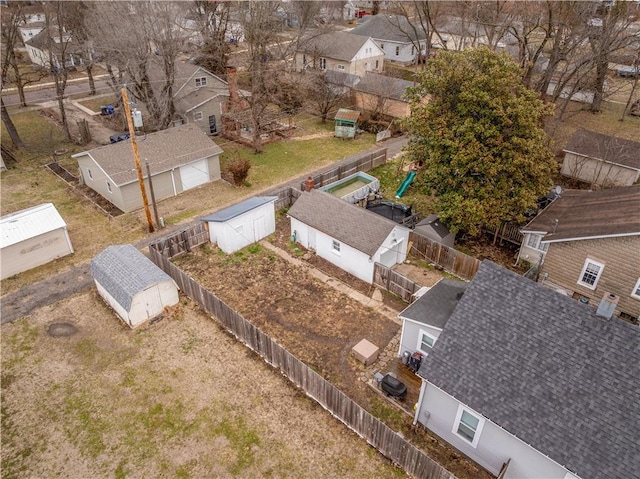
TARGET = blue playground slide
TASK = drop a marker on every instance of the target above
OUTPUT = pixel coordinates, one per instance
(405, 184)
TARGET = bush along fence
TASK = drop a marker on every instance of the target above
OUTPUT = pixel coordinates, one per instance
(375, 432)
(364, 162)
(449, 259)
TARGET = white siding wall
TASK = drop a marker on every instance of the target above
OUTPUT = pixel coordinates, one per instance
(438, 413)
(243, 230)
(349, 259)
(394, 248)
(151, 302)
(34, 252)
(411, 335)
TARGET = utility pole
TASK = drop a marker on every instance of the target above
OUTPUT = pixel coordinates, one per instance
(136, 157)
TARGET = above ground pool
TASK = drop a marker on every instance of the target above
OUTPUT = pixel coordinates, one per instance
(353, 188)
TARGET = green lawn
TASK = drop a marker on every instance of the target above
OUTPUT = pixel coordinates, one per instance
(94, 104)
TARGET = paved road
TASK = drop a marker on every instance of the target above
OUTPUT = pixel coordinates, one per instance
(51, 290)
(48, 93)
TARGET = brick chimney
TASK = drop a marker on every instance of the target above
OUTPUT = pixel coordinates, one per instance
(309, 184)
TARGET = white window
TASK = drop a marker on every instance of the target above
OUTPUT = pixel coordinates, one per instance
(426, 342)
(468, 425)
(90, 175)
(636, 290)
(335, 246)
(413, 50)
(535, 241)
(202, 81)
(197, 116)
(590, 273)
(376, 64)
(340, 67)
(109, 187)
(397, 51)
(323, 63)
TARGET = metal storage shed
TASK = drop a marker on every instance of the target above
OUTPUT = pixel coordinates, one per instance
(132, 285)
(31, 238)
(242, 224)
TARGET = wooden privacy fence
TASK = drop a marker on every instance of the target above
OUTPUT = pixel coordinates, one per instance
(447, 258)
(287, 196)
(182, 242)
(394, 282)
(375, 432)
(365, 162)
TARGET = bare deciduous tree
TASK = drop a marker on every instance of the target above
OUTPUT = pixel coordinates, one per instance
(323, 95)
(212, 21)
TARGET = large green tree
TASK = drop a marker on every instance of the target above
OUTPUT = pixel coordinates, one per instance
(479, 133)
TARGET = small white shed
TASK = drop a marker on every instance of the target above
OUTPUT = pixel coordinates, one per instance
(242, 224)
(132, 285)
(31, 238)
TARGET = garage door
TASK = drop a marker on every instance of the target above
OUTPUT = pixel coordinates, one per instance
(194, 174)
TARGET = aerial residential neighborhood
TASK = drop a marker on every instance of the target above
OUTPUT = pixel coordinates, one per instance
(333, 239)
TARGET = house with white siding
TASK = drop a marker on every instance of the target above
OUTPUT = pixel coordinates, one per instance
(529, 383)
(347, 235)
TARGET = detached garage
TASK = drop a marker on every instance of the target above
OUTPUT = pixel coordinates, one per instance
(242, 224)
(31, 238)
(132, 285)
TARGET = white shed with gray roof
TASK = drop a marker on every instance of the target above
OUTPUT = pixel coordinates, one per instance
(242, 224)
(132, 285)
(346, 235)
(32, 237)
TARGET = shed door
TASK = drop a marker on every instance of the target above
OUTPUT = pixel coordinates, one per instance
(153, 301)
(259, 228)
(194, 174)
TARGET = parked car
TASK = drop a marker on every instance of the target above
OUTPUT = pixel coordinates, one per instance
(119, 137)
(628, 71)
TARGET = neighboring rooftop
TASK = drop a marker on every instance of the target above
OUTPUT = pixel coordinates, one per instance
(436, 305)
(384, 86)
(391, 28)
(545, 368)
(164, 150)
(29, 223)
(347, 223)
(336, 45)
(604, 147)
(583, 214)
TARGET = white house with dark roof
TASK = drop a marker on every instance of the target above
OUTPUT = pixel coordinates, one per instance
(132, 285)
(346, 235)
(179, 159)
(340, 51)
(587, 244)
(530, 383)
(399, 39)
(242, 224)
(601, 160)
(424, 319)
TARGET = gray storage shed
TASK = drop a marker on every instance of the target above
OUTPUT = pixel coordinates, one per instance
(31, 238)
(431, 228)
(132, 285)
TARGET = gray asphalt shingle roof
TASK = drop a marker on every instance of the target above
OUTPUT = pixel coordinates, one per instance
(588, 214)
(606, 148)
(436, 305)
(347, 223)
(384, 86)
(164, 150)
(391, 28)
(239, 208)
(545, 368)
(124, 271)
(336, 45)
